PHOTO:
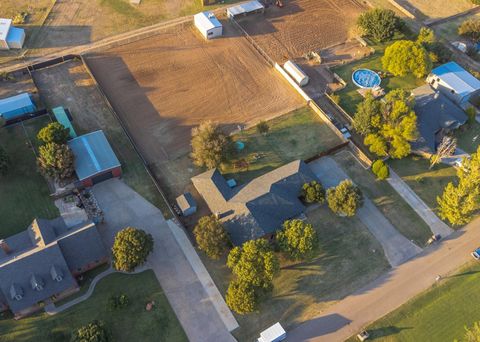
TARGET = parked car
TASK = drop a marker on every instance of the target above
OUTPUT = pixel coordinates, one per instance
(345, 132)
(476, 254)
(364, 335)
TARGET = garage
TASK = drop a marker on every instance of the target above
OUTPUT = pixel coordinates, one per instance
(208, 25)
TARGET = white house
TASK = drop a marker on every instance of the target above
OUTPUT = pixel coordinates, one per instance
(455, 82)
(11, 37)
(208, 25)
(298, 75)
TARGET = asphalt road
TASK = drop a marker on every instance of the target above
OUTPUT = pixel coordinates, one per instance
(391, 290)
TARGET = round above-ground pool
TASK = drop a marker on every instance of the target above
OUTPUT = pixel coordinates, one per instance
(365, 78)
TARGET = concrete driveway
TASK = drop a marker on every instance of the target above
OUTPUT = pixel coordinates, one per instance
(203, 317)
(397, 247)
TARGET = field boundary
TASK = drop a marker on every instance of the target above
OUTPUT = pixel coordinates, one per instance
(433, 22)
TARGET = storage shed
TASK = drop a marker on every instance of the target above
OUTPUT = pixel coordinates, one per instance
(208, 25)
(11, 37)
(298, 75)
(186, 203)
(16, 106)
(62, 118)
(244, 9)
(95, 160)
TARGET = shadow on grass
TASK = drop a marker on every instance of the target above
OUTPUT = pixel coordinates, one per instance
(386, 331)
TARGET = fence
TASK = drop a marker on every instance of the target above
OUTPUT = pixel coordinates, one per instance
(345, 114)
(252, 42)
(402, 9)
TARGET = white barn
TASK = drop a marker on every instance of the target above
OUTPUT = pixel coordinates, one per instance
(11, 37)
(208, 25)
(298, 75)
(245, 8)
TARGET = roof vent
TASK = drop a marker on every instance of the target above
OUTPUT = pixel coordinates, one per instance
(16, 292)
(56, 273)
(36, 282)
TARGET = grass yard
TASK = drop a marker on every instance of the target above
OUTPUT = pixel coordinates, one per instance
(304, 289)
(449, 29)
(24, 193)
(428, 184)
(439, 314)
(468, 137)
(300, 134)
(393, 207)
(128, 324)
(440, 9)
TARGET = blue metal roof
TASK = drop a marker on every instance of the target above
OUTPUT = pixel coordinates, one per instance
(63, 119)
(457, 78)
(17, 105)
(93, 155)
(16, 35)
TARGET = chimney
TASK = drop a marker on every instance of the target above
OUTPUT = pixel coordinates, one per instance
(5, 247)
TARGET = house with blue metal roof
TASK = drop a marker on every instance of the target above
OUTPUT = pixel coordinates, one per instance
(16, 106)
(95, 160)
(455, 82)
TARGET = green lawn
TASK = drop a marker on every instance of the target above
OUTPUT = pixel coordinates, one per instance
(24, 194)
(438, 314)
(468, 137)
(132, 323)
(395, 209)
(428, 184)
(304, 289)
(300, 134)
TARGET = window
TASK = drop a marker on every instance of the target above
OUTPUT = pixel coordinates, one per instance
(210, 33)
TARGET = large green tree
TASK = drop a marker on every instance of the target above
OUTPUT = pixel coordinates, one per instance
(211, 237)
(297, 239)
(368, 116)
(92, 332)
(313, 192)
(241, 297)
(54, 132)
(345, 199)
(4, 161)
(407, 57)
(131, 248)
(379, 24)
(209, 145)
(56, 161)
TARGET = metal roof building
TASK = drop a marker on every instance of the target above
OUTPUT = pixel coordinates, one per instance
(244, 9)
(95, 160)
(16, 106)
(208, 25)
(11, 37)
(186, 203)
(62, 118)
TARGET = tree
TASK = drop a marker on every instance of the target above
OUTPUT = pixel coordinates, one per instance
(380, 24)
(56, 161)
(254, 263)
(131, 248)
(470, 29)
(313, 192)
(4, 161)
(54, 132)
(241, 297)
(211, 236)
(297, 238)
(472, 334)
(345, 198)
(380, 169)
(368, 115)
(406, 57)
(263, 127)
(426, 37)
(92, 332)
(209, 145)
(446, 149)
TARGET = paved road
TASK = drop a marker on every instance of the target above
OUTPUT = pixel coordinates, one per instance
(185, 291)
(436, 225)
(397, 247)
(391, 290)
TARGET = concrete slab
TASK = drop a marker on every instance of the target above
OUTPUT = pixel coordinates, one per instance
(397, 247)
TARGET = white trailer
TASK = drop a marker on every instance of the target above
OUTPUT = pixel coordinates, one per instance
(298, 75)
(275, 333)
(208, 25)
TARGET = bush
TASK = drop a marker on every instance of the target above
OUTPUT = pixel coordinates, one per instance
(379, 24)
(54, 133)
(345, 199)
(313, 192)
(211, 237)
(240, 297)
(92, 332)
(118, 302)
(380, 169)
(56, 161)
(131, 248)
(263, 127)
(297, 238)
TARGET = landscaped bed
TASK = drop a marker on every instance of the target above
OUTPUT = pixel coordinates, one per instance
(24, 193)
(349, 257)
(132, 323)
(439, 314)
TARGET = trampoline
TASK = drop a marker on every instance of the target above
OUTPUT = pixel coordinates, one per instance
(365, 78)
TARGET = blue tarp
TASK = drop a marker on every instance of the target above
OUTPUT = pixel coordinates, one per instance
(15, 106)
(93, 155)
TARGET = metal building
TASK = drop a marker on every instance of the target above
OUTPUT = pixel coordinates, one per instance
(208, 25)
(11, 37)
(16, 106)
(298, 75)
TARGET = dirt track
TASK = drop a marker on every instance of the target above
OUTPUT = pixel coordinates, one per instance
(165, 85)
(302, 26)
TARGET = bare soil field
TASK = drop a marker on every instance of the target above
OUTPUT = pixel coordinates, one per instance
(165, 85)
(441, 9)
(302, 26)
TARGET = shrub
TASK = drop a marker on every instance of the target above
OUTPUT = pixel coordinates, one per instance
(297, 238)
(131, 248)
(211, 237)
(313, 192)
(92, 332)
(118, 302)
(263, 127)
(380, 169)
(241, 297)
(56, 161)
(54, 133)
(345, 199)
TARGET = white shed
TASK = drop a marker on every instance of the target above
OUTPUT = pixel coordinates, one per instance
(10, 37)
(245, 8)
(208, 25)
(298, 75)
(275, 333)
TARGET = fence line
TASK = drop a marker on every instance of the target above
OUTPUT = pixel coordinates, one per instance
(336, 105)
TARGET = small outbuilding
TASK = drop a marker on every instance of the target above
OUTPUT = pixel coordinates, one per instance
(16, 106)
(95, 160)
(208, 25)
(298, 75)
(186, 203)
(11, 37)
(245, 9)
(275, 333)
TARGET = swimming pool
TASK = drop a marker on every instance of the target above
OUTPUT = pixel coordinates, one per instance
(365, 78)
